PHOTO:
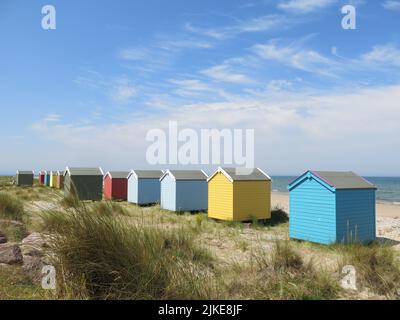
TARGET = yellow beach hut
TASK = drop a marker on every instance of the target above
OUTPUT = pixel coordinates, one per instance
(53, 179)
(239, 194)
(60, 180)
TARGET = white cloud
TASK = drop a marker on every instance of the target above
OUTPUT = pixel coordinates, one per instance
(123, 93)
(184, 44)
(258, 24)
(52, 117)
(318, 128)
(298, 58)
(224, 73)
(304, 6)
(190, 87)
(134, 54)
(388, 55)
(393, 5)
(279, 85)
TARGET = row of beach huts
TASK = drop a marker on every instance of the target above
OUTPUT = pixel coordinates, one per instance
(325, 207)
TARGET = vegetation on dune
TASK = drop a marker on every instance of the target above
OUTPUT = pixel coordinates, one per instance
(10, 207)
(281, 275)
(114, 250)
(16, 285)
(377, 267)
(102, 256)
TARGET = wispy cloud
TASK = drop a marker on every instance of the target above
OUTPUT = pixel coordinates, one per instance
(190, 87)
(52, 117)
(256, 24)
(387, 55)
(393, 5)
(304, 6)
(298, 58)
(184, 44)
(123, 92)
(134, 54)
(225, 73)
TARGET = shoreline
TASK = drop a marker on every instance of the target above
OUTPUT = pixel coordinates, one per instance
(383, 208)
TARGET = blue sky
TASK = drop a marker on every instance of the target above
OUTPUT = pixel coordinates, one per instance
(318, 96)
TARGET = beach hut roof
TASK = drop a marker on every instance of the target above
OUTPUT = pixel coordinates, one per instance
(84, 171)
(25, 172)
(61, 172)
(146, 174)
(117, 174)
(338, 180)
(186, 175)
(242, 174)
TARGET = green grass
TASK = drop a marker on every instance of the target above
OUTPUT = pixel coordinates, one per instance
(282, 275)
(377, 267)
(109, 208)
(10, 207)
(14, 232)
(113, 250)
(100, 256)
(16, 285)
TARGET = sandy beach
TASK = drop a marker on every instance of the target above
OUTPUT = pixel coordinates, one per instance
(383, 209)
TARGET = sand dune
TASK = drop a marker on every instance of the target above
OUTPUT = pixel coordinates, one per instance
(383, 209)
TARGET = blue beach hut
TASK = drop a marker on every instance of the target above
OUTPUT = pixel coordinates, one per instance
(328, 207)
(47, 179)
(184, 190)
(144, 186)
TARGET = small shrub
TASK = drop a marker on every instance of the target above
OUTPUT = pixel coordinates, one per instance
(278, 216)
(11, 207)
(376, 265)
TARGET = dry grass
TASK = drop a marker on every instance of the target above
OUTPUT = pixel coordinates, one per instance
(377, 267)
(16, 285)
(101, 256)
(10, 207)
(116, 250)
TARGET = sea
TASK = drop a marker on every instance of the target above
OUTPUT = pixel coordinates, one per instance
(388, 187)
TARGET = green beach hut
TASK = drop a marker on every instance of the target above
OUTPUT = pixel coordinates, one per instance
(24, 177)
(85, 183)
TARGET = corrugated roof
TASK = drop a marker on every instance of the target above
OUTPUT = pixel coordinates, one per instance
(119, 174)
(344, 180)
(24, 171)
(246, 174)
(188, 174)
(85, 171)
(148, 174)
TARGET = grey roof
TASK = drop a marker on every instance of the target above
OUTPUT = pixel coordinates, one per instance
(188, 174)
(246, 174)
(85, 171)
(61, 172)
(119, 174)
(148, 174)
(24, 171)
(344, 180)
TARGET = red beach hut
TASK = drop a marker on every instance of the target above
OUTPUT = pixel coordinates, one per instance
(42, 174)
(116, 185)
